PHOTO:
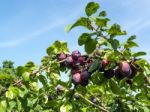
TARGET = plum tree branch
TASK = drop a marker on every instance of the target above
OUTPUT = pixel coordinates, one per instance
(97, 106)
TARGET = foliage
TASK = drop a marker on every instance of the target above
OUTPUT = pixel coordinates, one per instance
(109, 77)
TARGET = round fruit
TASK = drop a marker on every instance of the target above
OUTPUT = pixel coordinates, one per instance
(62, 56)
(50, 97)
(76, 54)
(93, 100)
(59, 88)
(104, 63)
(68, 61)
(81, 60)
(124, 68)
(134, 71)
(118, 74)
(109, 73)
(85, 75)
(76, 78)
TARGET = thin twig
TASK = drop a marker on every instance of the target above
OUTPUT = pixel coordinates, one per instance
(97, 106)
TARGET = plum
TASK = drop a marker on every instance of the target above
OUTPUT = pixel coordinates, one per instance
(76, 78)
(124, 68)
(59, 88)
(81, 60)
(93, 100)
(118, 74)
(76, 54)
(85, 75)
(103, 64)
(61, 56)
(109, 73)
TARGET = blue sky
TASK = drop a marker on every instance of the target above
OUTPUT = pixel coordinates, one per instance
(28, 27)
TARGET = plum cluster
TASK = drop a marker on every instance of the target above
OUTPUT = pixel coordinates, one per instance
(122, 69)
(80, 64)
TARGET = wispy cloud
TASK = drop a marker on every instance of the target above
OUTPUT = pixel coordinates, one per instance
(35, 34)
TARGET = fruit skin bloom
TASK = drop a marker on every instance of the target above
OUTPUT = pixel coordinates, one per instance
(76, 54)
(124, 68)
(62, 56)
(76, 78)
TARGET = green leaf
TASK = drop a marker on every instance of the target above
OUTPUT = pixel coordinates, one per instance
(131, 38)
(102, 22)
(103, 13)
(116, 30)
(91, 8)
(4, 76)
(12, 92)
(90, 46)
(114, 43)
(26, 76)
(57, 47)
(130, 44)
(67, 28)
(84, 22)
(139, 54)
(94, 66)
(83, 39)
(114, 87)
(43, 80)
(3, 106)
(11, 105)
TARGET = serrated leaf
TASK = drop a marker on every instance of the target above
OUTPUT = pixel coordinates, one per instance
(83, 39)
(102, 22)
(130, 44)
(91, 8)
(57, 47)
(115, 29)
(43, 80)
(26, 76)
(103, 13)
(94, 66)
(3, 106)
(90, 46)
(131, 38)
(139, 54)
(84, 22)
(12, 92)
(114, 87)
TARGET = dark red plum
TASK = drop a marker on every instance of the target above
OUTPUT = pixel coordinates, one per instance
(109, 73)
(76, 78)
(118, 74)
(124, 68)
(81, 60)
(76, 54)
(61, 56)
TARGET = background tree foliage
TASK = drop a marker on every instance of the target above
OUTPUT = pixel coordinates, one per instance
(109, 77)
